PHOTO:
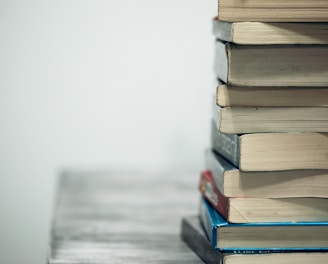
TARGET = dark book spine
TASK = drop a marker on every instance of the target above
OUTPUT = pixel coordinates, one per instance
(227, 145)
(194, 236)
(212, 194)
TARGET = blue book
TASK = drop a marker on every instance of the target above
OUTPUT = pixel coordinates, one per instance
(194, 236)
(257, 237)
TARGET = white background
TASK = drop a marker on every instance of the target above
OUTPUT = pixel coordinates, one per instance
(96, 84)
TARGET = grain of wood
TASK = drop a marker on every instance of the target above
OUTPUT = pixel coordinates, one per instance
(122, 217)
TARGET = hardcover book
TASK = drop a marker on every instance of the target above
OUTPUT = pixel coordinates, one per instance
(194, 236)
(232, 182)
(241, 120)
(272, 151)
(272, 65)
(273, 10)
(250, 210)
(271, 33)
(237, 96)
(274, 236)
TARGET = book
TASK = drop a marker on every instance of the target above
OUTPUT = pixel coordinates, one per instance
(194, 236)
(233, 182)
(270, 33)
(251, 210)
(192, 233)
(273, 236)
(232, 96)
(272, 151)
(272, 65)
(273, 10)
(252, 119)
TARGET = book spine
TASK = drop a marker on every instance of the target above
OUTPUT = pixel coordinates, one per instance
(226, 145)
(212, 194)
(207, 223)
(218, 166)
(193, 235)
(221, 66)
(214, 167)
(222, 30)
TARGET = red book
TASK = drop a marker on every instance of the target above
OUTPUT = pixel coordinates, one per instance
(252, 210)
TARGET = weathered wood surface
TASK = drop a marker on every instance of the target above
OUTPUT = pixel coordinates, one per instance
(116, 217)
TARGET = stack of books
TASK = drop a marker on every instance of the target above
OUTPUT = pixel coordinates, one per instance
(264, 193)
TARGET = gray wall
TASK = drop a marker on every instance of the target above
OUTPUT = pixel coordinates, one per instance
(92, 85)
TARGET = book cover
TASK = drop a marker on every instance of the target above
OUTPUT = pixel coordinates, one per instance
(254, 237)
(209, 190)
(251, 210)
(194, 236)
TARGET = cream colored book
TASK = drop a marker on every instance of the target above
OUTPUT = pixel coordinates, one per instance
(272, 65)
(272, 151)
(273, 10)
(241, 120)
(229, 95)
(233, 182)
(271, 33)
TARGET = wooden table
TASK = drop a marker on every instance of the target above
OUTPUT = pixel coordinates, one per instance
(122, 217)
